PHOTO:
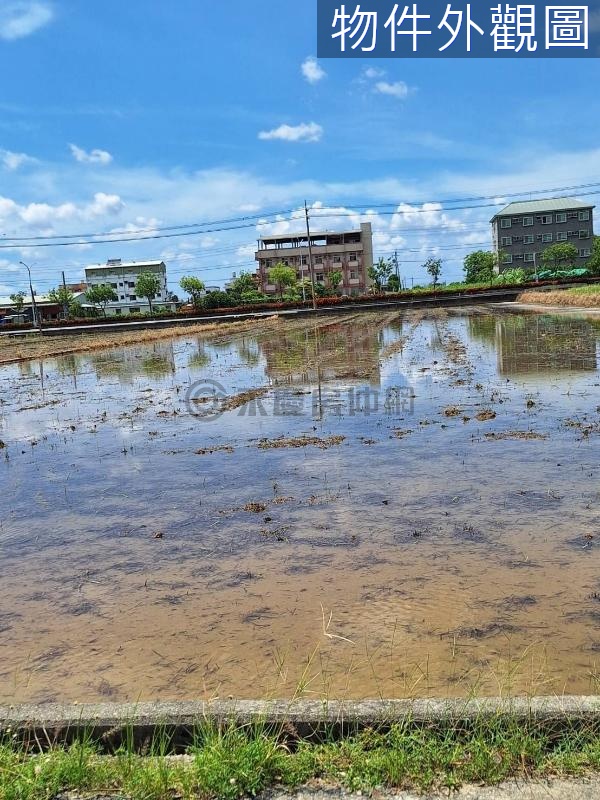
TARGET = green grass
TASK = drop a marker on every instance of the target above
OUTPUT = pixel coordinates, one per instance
(593, 288)
(234, 761)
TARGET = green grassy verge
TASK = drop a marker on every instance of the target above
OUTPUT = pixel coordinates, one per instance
(593, 288)
(234, 761)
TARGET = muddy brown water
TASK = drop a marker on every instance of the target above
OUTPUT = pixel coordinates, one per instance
(391, 544)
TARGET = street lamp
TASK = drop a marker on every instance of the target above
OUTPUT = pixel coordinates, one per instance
(37, 322)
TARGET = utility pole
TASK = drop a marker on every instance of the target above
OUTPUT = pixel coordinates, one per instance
(36, 319)
(535, 267)
(65, 303)
(310, 259)
(397, 269)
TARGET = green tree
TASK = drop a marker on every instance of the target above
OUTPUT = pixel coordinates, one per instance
(282, 276)
(64, 297)
(394, 283)
(561, 254)
(593, 262)
(243, 284)
(335, 278)
(101, 295)
(380, 273)
(433, 267)
(512, 276)
(479, 267)
(194, 287)
(18, 301)
(148, 286)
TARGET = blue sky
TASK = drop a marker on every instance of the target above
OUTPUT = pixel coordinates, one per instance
(135, 114)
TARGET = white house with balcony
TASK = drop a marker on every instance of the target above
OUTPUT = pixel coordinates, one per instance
(122, 277)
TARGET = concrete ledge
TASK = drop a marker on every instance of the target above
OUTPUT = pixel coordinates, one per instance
(108, 722)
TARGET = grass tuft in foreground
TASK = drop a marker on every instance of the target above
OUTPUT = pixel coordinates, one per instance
(234, 761)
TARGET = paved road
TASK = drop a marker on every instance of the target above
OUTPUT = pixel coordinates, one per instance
(588, 789)
(513, 790)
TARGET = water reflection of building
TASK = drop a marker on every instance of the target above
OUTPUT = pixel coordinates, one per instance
(531, 343)
(127, 363)
(324, 353)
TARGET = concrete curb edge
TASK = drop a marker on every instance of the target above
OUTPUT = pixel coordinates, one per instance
(312, 714)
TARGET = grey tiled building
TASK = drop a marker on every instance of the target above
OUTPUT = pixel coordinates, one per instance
(523, 230)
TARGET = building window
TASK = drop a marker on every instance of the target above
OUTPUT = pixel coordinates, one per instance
(546, 238)
(114, 286)
(507, 258)
(561, 216)
(561, 236)
(529, 238)
(546, 219)
(529, 257)
(505, 222)
(584, 216)
(352, 257)
(320, 277)
(584, 234)
(506, 240)
(122, 297)
(132, 297)
(585, 252)
(133, 310)
(118, 312)
(353, 276)
(527, 221)
(337, 259)
(131, 285)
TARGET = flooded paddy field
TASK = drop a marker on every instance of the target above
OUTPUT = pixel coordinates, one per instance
(398, 504)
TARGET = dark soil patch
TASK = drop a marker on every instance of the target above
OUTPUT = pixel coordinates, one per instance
(220, 449)
(516, 435)
(255, 508)
(323, 443)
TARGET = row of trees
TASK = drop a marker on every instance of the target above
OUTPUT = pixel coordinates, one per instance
(147, 286)
(482, 265)
(243, 289)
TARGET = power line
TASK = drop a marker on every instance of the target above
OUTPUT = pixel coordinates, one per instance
(258, 220)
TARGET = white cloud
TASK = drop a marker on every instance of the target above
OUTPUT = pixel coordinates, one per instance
(305, 132)
(373, 72)
(41, 214)
(104, 204)
(92, 157)
(312, 70)
(398, 89)
(429, 215)
(12, 161)
(23, 17)
(42, 217)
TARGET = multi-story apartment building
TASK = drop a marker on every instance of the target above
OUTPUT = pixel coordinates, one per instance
(122, 277)
(347, 252)
(523, 230)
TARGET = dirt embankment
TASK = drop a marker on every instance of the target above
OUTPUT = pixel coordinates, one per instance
(564, 297)
(33, 346)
